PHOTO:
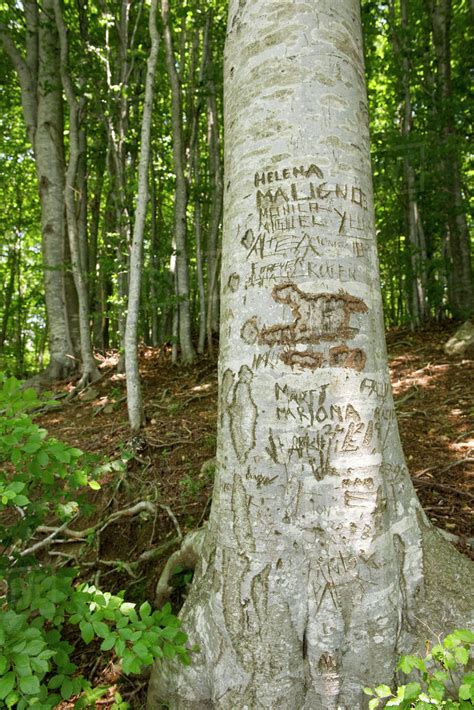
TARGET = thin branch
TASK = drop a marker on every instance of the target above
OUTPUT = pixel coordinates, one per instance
(46, 541)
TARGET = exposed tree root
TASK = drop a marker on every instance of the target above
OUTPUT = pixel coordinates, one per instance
(186, 557)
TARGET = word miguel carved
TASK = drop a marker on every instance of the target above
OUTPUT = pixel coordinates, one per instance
(316, 317)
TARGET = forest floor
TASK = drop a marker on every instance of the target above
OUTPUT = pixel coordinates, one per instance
(434, 397)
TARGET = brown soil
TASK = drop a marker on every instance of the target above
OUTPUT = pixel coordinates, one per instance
(435, 405)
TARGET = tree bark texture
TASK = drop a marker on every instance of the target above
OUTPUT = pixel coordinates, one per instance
(216, 180)
(134, 397)
(41, 97)
(49, 154)
(181, 197)
(459, 258)
(319, 563)
(416, 235)
(76, 235)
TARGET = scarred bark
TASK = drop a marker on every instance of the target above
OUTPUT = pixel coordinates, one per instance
(319, 566)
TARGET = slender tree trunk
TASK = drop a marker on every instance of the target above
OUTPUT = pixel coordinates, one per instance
(117, 127)
(195, 158)
(459, 267)
(181, 198)
(215, 175)
(154, 261)
(416, 237)
(49, 153)
(136, 414)
(42, 109)
(8, 293)
(76, 231)
(318, 566)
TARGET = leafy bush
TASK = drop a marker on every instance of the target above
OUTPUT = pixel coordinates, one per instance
(39, 605)
(439, 673)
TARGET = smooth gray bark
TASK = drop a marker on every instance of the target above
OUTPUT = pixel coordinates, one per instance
(460, 275)
(43, 112)
(416, 235)
(318, 566)
(217, 188)
(136, 414)
(188, 353)
(78, 250)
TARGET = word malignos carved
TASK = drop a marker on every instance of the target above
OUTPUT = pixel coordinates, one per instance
(317, 317)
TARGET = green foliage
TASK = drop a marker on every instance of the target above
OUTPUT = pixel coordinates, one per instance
(40, 606)
(445, 681)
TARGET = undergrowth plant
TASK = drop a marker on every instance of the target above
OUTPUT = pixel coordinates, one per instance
(42, 478)
(445, 679)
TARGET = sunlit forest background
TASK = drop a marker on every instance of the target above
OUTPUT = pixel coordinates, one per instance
(72, 95)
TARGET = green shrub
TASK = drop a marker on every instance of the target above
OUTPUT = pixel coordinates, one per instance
(444, 678)
(41, 477)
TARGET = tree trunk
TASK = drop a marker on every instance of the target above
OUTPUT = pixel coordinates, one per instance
(49, 153)
(136, 414)
(181, 198)
(319, 566)
(215, 176)
(42, 109)
(154, 260)
(7, 298)
(459, 265)
(416, 236)
(90, 371)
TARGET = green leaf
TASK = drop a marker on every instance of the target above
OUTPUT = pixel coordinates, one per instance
(108, 643)
(15, 457)
(34, 647)
(374, 703)
(101, 629)
(12, 699)
(95, 485)
(461, 655)
(4, 664)
(21, 664)
(465, 691)
(412, 690)
(464, 635)
(140, 649)
(29, 685)
(7, 683)
(47, 609)
(145, 610)
(436, 689)
(87, 631)
(40, 665)
(67, 688)
(42, 458)
(383, 691)
(56, 681)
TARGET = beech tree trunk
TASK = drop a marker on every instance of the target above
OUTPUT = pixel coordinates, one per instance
(76, 232)
(318, 566)
(216, 180)
(136, 414)
(41, 97)
(416, 234)
(460, 276)
(188, 353)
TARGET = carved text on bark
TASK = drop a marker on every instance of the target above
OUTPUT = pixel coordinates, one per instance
(316, 318)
